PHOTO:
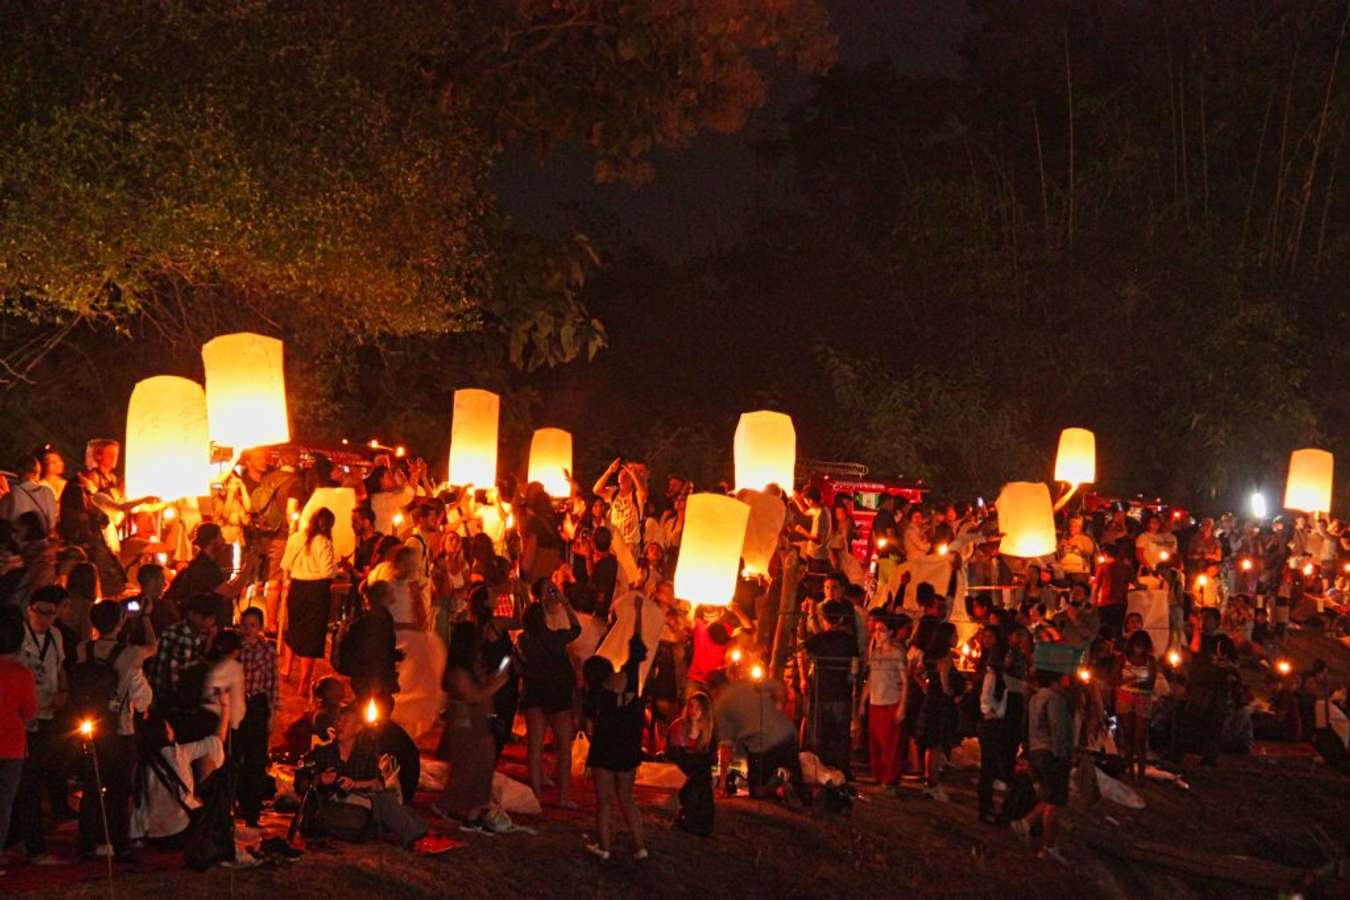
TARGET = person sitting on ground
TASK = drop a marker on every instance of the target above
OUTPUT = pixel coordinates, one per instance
(167, 776)
(348, 771)
(391, 739)
(748, 719)
(315, 723)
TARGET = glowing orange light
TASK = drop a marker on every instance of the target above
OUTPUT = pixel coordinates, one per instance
(87, 728)
(1284, 667)
(1173, 658)
(162, 558)
(1101, 559)
(1202, 581)
(1307, 568)
(881, 545)
(1346, 567)
(756, 672)
(169, 514)
(736, 655)
(1084, 674)
(374, 443)
(295, 517)
(942, 549)
(398, 519)
(1247, 565)
(1164, 556)
(400, 452)
(372, 712)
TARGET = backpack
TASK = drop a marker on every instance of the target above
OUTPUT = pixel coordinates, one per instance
(93, 685)
(267, 507)
(342, 663)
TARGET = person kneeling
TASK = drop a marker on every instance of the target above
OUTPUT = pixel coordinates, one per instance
(352, 801)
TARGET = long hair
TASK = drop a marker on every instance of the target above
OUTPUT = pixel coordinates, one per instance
(462, 652)
(153, 737)
(321, 523)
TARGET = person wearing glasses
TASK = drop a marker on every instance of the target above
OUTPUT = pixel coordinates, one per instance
(43, 653)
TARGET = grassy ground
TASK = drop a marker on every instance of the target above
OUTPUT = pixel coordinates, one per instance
(1260, 807)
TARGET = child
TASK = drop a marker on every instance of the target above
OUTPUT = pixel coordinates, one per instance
(1136, 672)
(689, 746)
(614, 720)
(317, 722)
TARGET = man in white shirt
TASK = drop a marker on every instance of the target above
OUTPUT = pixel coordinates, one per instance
(1155, 546)
(43, 653)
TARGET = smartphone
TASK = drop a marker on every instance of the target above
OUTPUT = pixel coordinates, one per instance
(133, 606)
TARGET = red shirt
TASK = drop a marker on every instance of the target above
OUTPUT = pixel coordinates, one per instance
(1113, 583)
(709, 656)
(18, 707)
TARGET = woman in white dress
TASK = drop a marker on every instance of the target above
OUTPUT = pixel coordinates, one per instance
(420, 697)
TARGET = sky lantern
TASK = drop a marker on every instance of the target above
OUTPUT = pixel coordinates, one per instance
(551, 460)
(168, 452)
(1026, 519)
(1076, 462)
(710, 549)
(1309, 486)
(765, 448)
(473, 438)
(340, 501)
(767, 513)
(246, 391)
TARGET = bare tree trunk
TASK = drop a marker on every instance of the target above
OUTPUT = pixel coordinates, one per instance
(1326, 202)
(1068, 80)
(1185, 162)
(1317, 145)
(1281, 168)
(1256, 168)
(1040, 161)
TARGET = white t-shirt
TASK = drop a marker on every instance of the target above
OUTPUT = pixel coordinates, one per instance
(884, 666)
(160, 814)
(1149, 547)
(43, 655)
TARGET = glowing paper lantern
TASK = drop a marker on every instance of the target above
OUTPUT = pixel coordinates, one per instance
(765, 448)
(246, 391)
(767, 513)
(168, 451)
(341, 501)
(473, 438)
(1309, 486)
(710, 549)
(1076, 462)
(551, 460)
(1026, 518)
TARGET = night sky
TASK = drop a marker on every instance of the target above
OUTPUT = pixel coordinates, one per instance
(700, 196)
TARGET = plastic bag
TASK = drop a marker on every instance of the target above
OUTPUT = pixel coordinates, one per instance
(816, 772)
(1118, 791)
(513, 797)
(433, 776)
(581, 749)
(660, 775)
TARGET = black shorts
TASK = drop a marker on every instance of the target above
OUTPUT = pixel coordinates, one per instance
(1052, 777)
(549, 696)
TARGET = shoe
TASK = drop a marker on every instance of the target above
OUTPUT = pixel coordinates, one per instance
(935, 792)
(478, 826)
(275, 846)
(597, 851)
(1022, 830)
(1052, 853)
(434, 845)
(641, 854)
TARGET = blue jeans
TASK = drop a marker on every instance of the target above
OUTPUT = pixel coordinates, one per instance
(10, 772)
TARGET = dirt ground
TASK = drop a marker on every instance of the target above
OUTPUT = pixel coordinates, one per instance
(1275, 806)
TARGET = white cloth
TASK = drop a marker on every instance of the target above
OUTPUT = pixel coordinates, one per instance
(387, 504)
(584, 647)
(309, 560)
(420, 697)
(615, 645)
(158, 813)
(226, 677)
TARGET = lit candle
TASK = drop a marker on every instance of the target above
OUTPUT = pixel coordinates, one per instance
(1164, 556)
(162, 558)
(374, 443)
(400, 451)
(87, 728)
(169, 514)
(236, 551)
(372, 712)
(1173, 658)
(1202, 581)
(881, 545)
(1101, 559)
(1284, 667)
(757, 672)
(736, 655)
(1307, 569)
(398, 519)
(1247, 565)
(942, 549)
(1084, 674)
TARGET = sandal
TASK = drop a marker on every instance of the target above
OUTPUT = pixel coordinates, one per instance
(597, 851)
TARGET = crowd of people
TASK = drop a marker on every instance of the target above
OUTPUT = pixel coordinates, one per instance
(156, 638)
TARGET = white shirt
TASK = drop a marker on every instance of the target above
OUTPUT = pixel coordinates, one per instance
(1149, 547)
(43, 655)
(227, 677)
(992, 707)
(134, 694)
(160, 814)
(309, 561)
(386, 504)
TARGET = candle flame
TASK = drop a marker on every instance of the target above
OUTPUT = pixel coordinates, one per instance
(1202, 580)
(372, 712)
(736, 655)
(942, 549)
(757, 672)
(1173, 658)
(87, 728)
(1164, 556)
(1284, 667)
(1308, 569)
(400, 451)
(881, 543)
(1084, 674)
(1246, 565)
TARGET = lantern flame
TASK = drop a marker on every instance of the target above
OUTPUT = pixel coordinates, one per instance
(756, 672)
(551, 460)
(1076, 461)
